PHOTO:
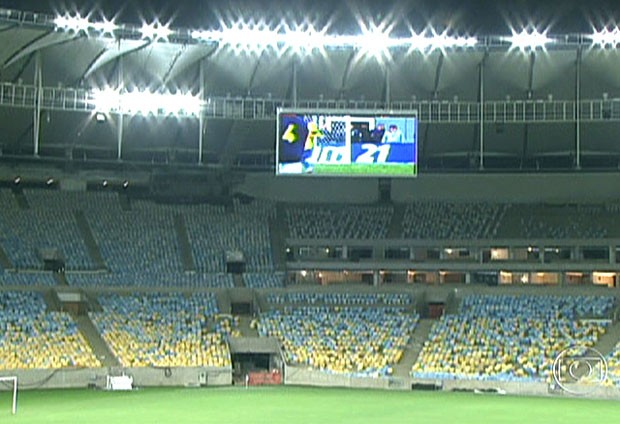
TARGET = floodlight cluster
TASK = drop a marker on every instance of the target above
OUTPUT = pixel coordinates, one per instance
(528, 40)
(606, 38)
(372, 39)
(78, 24)
(146, 103)
(308, 38)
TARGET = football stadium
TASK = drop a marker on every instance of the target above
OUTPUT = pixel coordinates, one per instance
(269, 218)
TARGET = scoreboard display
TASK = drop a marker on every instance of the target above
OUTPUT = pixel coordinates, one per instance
(339, 143)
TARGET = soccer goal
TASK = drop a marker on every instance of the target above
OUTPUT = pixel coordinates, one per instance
(7, 382)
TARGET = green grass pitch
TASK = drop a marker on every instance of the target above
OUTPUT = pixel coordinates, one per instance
(296, 405)
(367, 169)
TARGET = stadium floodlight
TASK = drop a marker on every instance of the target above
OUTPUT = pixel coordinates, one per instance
(606, 38)
(443, 41)
(155, 31)
(181, 104)
(70, 23)
(107, 100)
(305, 38)
(244, 36)
(528, 40)
(105, 28)
(145, 103)
(374, 42)
(139, 103)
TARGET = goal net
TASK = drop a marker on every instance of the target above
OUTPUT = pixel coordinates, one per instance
(10, 384)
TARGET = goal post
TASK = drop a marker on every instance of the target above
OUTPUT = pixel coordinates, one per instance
(11, 381)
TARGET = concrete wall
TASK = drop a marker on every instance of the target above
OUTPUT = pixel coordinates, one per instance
(305, 377)
(143, 377)
(297, 376)
(540, 187)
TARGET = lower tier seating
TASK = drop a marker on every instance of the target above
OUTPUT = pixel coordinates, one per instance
(356, 341)
(33, 338)
(164, 330)
(510, 338)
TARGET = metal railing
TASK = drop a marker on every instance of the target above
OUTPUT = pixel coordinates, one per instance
(261, 108)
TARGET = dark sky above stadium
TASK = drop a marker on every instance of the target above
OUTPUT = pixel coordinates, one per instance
(476, 17)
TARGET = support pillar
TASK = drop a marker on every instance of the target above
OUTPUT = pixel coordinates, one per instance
(38, 84)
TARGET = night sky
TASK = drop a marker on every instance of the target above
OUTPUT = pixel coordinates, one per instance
(473, 17)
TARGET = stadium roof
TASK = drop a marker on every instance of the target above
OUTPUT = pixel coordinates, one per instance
(254, 64)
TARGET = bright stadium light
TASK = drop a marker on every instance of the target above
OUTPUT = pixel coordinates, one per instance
(241, 36)
(251, 36)
(146, 103)
(374, 41)
(528, 40)
(443, 41)
(70, 23)
(155, 31)
(181, 104)
(304, 38)
(107, 100)
(606, 38)
(105, 28)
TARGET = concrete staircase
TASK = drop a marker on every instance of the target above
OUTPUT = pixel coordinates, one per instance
(238, 281)
(97, 344)
(125, 202)
(609, 340)
(419, 336)
(244, 327)
(51, 301)
(187, 258)
(5, 262)
(61, 279)
(395, 230)
(89, 239)
(242, 132)
(20, 199)
(223, 301)
(278, 232)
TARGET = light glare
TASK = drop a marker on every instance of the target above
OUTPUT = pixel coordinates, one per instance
(146, 103)
(72, 23)
(606, 38)
(528, 41)
(155, 31)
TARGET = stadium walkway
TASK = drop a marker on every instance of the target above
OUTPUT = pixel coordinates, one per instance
(608, 341)
(395, 230)
(98, 345)
(420, 334)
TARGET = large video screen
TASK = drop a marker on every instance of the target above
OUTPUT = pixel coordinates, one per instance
(332, 143)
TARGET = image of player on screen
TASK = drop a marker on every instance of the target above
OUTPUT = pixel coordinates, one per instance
(297, 142)
(377, 133)
(393, 135)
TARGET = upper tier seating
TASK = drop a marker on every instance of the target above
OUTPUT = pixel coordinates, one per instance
(142, 240)
(353, 341)
(510, 338)
(181, 280)
(567, 221)
(164, 330)
(347, 299)
(49, 223)
(215, 230)
(27, 279)
(344, 222)
(31, 338)
(263, 280)
(455, 221)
